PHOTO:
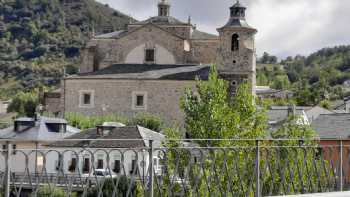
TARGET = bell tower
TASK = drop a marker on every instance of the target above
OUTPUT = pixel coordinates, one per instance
(236, 58)
(164, 8)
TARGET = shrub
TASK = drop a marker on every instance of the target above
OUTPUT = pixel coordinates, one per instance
(123, 187)
(85, 122)
(148, 121)
(51, 191)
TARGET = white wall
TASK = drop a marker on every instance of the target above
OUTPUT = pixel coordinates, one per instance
(137, 55)
(3, 107)
(18, 161)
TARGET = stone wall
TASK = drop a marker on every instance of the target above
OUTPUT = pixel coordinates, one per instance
(105, 52)
(203, 51)
(52, 102)
(115, 96)
(115, 51)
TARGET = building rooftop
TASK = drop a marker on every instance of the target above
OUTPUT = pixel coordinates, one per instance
(149, 72)
(120, 137)
(43, 129)
(277, 114)
(111, 35)
(199, 35)
(332, 126)
(161, 20)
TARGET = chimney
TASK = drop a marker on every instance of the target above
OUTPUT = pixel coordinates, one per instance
(347, 104)
(99, 131)
(102, 130)
(291, 110)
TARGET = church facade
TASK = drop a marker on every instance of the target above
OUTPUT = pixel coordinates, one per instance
(146, 67)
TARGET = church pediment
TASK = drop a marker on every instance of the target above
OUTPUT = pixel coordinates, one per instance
(150, 27)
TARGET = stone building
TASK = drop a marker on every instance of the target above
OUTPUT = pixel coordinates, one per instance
(147, 66)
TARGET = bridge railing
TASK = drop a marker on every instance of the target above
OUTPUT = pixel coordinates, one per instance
(176, 168)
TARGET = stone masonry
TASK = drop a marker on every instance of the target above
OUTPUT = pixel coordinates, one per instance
(159, 58)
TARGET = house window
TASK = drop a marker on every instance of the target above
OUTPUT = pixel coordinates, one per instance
(133, 170)
(59, 164)
(235, 42)
(86, 165)
(150, 55)
(86, 98)
(234, 83)
(73, 165)
(139, 100)
(14, 147)
(117, 164)
(117, 168)
(99, 161)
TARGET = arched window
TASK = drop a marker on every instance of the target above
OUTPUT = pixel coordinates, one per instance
(235, 42)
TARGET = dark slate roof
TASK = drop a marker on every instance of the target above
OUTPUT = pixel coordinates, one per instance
(237, 22)
(313, 113)
(277, 114)
(199, 35)
(161, 20)
(332, 126)
(120, 137)
(39, 132)
(149, 71)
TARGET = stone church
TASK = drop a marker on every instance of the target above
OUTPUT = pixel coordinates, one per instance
(146, 67)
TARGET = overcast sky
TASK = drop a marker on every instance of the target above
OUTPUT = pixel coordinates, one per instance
(286, 27)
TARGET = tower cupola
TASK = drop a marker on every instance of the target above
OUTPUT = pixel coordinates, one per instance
(238, 11)
(164, 8)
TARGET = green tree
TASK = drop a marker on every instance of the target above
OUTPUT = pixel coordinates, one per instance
(211, 114)
(24, 104)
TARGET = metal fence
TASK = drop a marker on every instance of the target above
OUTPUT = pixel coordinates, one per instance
(182, 168)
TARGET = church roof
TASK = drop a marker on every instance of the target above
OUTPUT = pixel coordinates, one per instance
(161, 20)
(199, 35)
(148, 72)
(237, 22)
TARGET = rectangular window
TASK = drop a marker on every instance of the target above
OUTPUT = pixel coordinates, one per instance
(86, 165)
(100, 159)
(133, 170)
(100, 164)
(149, 56)
(14, 147)
(117, 167)
(86, 98)
(59, 163)
(73, 165)
(139, 100)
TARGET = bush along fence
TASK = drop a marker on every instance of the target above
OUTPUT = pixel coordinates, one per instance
(174, 168)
